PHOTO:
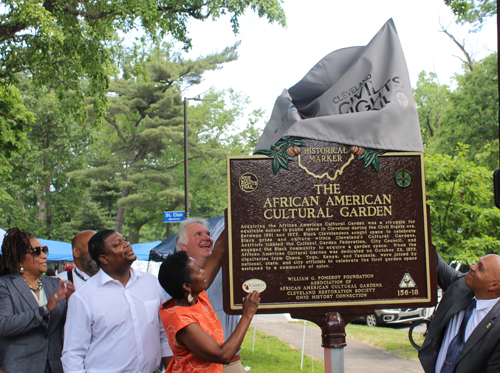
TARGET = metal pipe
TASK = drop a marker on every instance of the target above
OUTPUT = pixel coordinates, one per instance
(186, 171)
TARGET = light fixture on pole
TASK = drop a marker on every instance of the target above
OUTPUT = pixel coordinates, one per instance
(186, 171)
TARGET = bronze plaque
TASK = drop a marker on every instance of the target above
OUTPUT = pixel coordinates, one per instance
(329, 232)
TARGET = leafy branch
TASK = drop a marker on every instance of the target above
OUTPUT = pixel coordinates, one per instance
(283, 151)
(370, 157)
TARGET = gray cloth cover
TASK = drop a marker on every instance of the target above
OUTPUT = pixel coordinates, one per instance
(354, 96)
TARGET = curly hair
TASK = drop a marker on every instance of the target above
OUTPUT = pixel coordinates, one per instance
(16, 244)
(174, 273)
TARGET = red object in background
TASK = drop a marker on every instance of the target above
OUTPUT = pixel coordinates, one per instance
(69, 268)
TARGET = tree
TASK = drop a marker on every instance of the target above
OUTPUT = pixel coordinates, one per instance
(464, 221)
(468, 114)
(432, 100)
(14, 117)
(213, 125)
(41, 197)
(135, 168)
(473, 12)
(66, 44)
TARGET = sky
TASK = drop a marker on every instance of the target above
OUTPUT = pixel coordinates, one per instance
(272, 58)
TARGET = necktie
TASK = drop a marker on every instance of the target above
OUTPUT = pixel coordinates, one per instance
(458, 342)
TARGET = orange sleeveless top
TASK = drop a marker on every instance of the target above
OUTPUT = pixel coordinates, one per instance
(174, 318)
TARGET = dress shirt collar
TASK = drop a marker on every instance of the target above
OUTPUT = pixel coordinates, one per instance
(105, 278)
(486, 303)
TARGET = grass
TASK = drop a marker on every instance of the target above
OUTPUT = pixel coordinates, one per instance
(271, 354)
(391, 340)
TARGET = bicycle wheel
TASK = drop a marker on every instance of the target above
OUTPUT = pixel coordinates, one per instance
(418, 331)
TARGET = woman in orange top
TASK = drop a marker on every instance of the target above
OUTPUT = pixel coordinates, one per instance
(194, 332)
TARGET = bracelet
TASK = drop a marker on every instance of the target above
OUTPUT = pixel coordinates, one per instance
(45, 312)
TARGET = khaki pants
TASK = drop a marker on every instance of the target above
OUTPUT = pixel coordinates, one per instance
(234, 367)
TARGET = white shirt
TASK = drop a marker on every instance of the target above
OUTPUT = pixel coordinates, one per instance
(483, 306)
(115, 329)
(77, 281)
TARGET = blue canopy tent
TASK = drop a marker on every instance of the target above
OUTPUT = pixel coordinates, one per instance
(159, 253)
(58, 250)
(141, 250)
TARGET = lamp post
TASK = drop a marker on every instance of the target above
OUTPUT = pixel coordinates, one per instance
(186, 171)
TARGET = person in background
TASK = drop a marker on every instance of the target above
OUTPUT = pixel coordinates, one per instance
(113, 323)
(32, 307)
(196, 240)
(86, 267)
(51, 272)
(194, 332)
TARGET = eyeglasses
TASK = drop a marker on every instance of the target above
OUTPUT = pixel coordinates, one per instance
(39, 250)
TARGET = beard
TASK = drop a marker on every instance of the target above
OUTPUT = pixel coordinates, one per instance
(89, 266)
(131, 260)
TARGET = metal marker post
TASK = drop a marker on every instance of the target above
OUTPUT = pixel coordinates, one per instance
(333, 341)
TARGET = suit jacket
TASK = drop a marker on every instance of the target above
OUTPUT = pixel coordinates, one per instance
(481, 352)
(27, 340)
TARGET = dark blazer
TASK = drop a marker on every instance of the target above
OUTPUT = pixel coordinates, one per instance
(27, 341)
(481, 352)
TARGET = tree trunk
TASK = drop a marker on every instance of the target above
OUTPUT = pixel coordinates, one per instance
(120, 214)
(134, 233)
(41, 204)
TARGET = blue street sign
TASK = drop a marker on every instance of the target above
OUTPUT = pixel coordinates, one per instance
(173, 216)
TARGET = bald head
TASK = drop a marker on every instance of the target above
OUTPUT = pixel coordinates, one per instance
(81, 255)
(484, 277)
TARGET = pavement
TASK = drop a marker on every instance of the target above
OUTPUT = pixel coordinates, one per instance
(358, 357)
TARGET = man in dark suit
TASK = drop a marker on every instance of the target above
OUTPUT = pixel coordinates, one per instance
(458, 346)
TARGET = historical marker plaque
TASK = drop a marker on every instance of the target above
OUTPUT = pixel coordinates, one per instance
(329, 232)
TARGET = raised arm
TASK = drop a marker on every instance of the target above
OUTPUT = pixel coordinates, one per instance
(205, 347)
(213, 263)
(446, 274)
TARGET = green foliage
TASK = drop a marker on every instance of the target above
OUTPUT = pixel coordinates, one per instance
(63, 43)
(468, 114)
(136, 164)
(472, 11)
(14, 118)
(42, 197)
(432, 100)
(370, 158)
(279, 152)
(464, 220)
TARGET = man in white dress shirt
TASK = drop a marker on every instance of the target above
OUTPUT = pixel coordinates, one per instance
(195, 239)
(113, 324)
(464, 335)
(86, 267)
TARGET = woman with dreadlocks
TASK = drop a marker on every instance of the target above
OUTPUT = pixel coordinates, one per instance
(32, 307)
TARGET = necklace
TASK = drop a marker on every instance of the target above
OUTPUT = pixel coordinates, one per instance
(39, 286)
(80, 275)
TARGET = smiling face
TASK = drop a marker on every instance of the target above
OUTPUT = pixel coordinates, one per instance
(484, 277)
(32, 264)
(199, 244)
(198, 278)
(117, 252)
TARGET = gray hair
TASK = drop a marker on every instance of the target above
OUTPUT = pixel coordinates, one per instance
(181, 233)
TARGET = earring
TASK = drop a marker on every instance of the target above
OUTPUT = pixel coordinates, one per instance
(190, 298)
(21, 271)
